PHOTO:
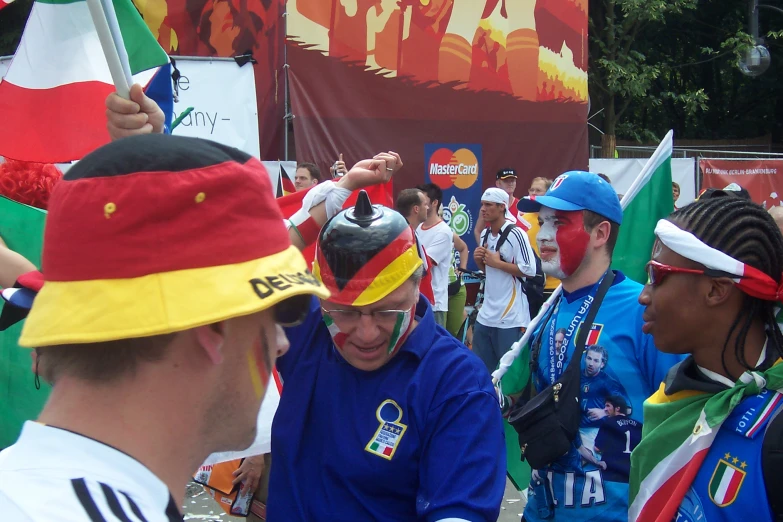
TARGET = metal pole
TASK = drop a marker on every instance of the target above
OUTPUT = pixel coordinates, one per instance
(753, 15)
(287, 108)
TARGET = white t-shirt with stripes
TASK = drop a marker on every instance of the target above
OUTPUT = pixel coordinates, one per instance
(505, 304)
(52, 474)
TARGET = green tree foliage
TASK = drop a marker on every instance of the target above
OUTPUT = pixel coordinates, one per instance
(658, 65)
(12, 20)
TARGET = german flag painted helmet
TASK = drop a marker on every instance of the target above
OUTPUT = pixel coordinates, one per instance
(364, 253)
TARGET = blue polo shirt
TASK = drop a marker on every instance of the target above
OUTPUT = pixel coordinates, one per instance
(420, 438)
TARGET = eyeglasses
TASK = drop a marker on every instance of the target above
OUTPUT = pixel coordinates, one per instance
(657, 272)
(352, 317)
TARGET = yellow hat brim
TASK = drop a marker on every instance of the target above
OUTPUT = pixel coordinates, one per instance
(75, 312)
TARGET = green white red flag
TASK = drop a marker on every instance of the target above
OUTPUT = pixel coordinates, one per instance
(52, 97)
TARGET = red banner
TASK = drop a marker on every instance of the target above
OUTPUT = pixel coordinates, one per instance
(508, 77)
(762, 178)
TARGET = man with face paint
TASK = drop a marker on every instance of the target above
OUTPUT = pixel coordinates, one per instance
(380, 408)
(505, 311)
(580, 217)
(383, 406)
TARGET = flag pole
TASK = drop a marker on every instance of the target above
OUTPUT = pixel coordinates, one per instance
(508, 358)
(120, 72)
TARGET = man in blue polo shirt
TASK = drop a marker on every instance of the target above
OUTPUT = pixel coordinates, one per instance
(580, 217)
(383, 415)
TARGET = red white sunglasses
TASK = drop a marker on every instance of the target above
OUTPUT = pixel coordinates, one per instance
(657, 272)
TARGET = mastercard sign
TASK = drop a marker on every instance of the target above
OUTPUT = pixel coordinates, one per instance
(454, 166)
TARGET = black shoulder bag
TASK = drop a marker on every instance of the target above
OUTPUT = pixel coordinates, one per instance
(548, 424)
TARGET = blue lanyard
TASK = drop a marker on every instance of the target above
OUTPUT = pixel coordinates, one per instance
(557, 358)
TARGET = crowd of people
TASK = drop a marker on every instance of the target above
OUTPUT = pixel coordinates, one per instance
(161, 320)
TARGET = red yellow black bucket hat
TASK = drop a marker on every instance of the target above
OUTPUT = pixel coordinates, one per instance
(157, 234)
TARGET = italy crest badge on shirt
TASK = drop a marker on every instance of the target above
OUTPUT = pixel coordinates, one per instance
(390, 430)
(726, 481)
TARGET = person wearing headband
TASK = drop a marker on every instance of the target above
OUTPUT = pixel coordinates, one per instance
(714, 292)
(580, 217)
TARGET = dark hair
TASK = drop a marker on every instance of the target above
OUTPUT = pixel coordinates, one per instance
(312, 168)
(599, 349)
(618, 401)
(604, 177)
(592, 220)
(407, 199)
(433, 192)
(745, 231)
(102, 362)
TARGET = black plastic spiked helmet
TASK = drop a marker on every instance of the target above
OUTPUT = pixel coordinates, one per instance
(364, 253)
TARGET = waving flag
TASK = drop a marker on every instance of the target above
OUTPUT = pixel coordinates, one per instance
(652, 202)
(52, 97)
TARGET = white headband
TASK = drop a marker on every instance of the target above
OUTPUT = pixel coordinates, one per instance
(693, 248)
(750, 280)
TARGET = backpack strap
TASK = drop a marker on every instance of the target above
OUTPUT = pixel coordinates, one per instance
(771, 464)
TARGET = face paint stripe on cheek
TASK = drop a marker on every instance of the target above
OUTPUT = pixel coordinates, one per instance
(572, 241)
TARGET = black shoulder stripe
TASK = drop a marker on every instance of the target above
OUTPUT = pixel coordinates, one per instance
(114, 503)
(517, 234)
(83, 494)
(134, 507)
(172, 511)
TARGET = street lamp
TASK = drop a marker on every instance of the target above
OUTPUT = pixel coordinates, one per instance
(756, 60)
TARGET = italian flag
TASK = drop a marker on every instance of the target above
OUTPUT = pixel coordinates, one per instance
(650, 199)
(679, 430)
(52, 97)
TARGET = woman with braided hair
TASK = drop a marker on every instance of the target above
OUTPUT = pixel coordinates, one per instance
(714, 286)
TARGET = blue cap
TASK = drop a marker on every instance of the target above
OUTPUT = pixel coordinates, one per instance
(577, 190)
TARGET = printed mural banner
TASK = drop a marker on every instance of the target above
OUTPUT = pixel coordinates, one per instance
(762, 178)
(377, 75)
(456, 169)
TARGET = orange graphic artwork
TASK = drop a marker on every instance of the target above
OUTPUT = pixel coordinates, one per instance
(533, 50)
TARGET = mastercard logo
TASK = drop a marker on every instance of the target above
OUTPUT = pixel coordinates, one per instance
(459, 168)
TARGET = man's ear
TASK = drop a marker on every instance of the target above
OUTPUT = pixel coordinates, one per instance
(602, 231)
(210, 337)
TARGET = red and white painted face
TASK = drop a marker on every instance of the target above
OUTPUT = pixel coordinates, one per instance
(562, 241)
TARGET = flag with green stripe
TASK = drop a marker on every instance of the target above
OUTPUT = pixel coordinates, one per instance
(52, 97)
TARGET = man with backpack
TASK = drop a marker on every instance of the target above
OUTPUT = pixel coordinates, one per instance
(508, 260)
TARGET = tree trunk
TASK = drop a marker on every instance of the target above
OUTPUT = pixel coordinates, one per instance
(609, 140)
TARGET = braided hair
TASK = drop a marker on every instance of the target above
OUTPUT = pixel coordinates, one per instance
(745, 231)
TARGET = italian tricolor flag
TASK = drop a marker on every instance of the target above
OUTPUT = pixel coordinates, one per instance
(52, 97)
(650, 200)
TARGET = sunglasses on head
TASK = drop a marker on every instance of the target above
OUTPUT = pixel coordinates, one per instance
(657, 272)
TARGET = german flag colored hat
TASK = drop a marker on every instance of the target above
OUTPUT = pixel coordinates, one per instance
(157, 234)
(364, 253)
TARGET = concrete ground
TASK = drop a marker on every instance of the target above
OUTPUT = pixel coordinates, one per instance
(200, 506)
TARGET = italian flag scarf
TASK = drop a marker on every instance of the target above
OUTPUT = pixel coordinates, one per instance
(678, 432)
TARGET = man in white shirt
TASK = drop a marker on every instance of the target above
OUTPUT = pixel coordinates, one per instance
(505, 311)
(168, 353)
(438, 241)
